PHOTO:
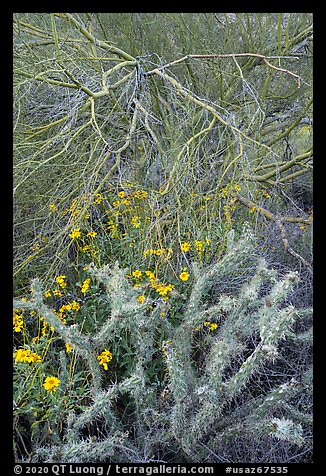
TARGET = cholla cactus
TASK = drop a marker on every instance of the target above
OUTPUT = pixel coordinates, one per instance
(237, 391)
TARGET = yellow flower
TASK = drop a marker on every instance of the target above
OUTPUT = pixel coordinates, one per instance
(51, 383)
(65, 307)
(57, 292)
(163, 289)
(104, 358)
(75, 306)
(135, 221)
(137, 274)
(265, 193)
(98, 199)
(22, 355)
(61, 281)
(184, 276)
(141, 299)
(75, 233)
(68, 347)
(47, 293)
(18, 321)
(150, 275)
(166, 347)
(35, 358)
(52, 207)
(25, 355)
(213, 326)
(92, 234)
(185, 246)
(141, 194)
(85, 285)
(121, 194)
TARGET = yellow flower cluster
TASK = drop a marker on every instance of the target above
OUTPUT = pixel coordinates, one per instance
(98, 199)
(75, 234)
(90, 248)
(160, 288)
(70, 306)
(265, 193)
(167, 253)
(140, 194)
(57, 292)
(73, 209)
(46, 325)
(135, 221)
(150, 275)
(229, 207)
(61, 281)
(224, 192)
(85, 285)
(104, 358)
(166, 347)
(25, 355)
(163, 289)
(261, 193)
(18, 320)
(211, 325)
(113, 228)
(199, 246)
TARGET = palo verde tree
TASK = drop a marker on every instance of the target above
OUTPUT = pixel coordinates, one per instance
(146, 146)
(101, 98)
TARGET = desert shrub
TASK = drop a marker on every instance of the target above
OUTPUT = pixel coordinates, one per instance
(141, 382)
(144, 145)
(194, 133)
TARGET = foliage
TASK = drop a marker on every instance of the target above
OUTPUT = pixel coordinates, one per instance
(157, 327)
(89, 114)
(190, 389)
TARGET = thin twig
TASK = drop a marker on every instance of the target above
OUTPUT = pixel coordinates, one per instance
(279, 223)
(229, 55)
